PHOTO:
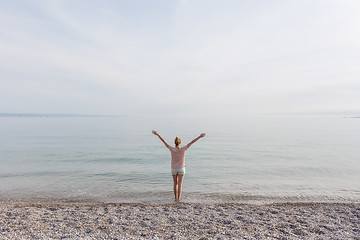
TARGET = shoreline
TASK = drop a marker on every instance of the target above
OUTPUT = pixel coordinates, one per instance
(148, 198)
(84, 220)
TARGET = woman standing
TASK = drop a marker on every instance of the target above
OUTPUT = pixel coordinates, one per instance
(178, 162)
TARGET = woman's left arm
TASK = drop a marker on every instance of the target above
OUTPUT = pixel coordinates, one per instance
(193, 141)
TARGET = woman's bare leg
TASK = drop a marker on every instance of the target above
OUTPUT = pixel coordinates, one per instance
(180, 179)
(175, 186)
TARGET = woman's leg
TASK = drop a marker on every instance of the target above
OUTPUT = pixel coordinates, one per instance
(175, 186)
(180, 179)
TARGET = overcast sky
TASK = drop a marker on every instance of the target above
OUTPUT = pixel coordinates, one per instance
(198, 57)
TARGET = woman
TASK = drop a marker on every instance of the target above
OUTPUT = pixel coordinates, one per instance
(177, 162)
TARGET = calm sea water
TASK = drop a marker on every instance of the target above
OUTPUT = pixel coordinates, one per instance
(117, 159)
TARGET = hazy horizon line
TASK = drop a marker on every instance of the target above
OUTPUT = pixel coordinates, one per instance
(340, 114)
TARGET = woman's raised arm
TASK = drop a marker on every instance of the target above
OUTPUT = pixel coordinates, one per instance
(193, 141)
(157, 134)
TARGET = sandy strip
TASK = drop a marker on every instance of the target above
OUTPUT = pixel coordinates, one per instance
(179, 221)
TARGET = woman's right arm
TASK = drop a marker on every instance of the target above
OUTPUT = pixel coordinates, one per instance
(157, 134)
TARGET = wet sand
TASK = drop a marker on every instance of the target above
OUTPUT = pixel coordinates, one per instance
(179, 221)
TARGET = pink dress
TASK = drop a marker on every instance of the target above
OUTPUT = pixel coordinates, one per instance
(177, 157)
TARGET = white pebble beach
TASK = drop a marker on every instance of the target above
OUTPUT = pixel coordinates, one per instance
(20, 220)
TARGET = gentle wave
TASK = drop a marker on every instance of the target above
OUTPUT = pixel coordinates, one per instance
(167, 197)
(103, 160)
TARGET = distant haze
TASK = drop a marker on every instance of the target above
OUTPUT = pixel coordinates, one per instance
(190, 58)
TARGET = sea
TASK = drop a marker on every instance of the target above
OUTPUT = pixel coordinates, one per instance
(116, 159)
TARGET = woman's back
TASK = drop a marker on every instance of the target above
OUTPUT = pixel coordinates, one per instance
(177, 157)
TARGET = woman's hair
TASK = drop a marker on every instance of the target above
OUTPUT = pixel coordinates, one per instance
(177, 141)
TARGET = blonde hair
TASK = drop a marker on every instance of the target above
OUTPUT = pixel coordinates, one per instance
(177, 141)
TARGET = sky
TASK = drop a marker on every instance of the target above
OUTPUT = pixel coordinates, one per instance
(194, 58)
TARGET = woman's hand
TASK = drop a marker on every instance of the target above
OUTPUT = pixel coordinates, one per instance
(155, 132)
(202, 135)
